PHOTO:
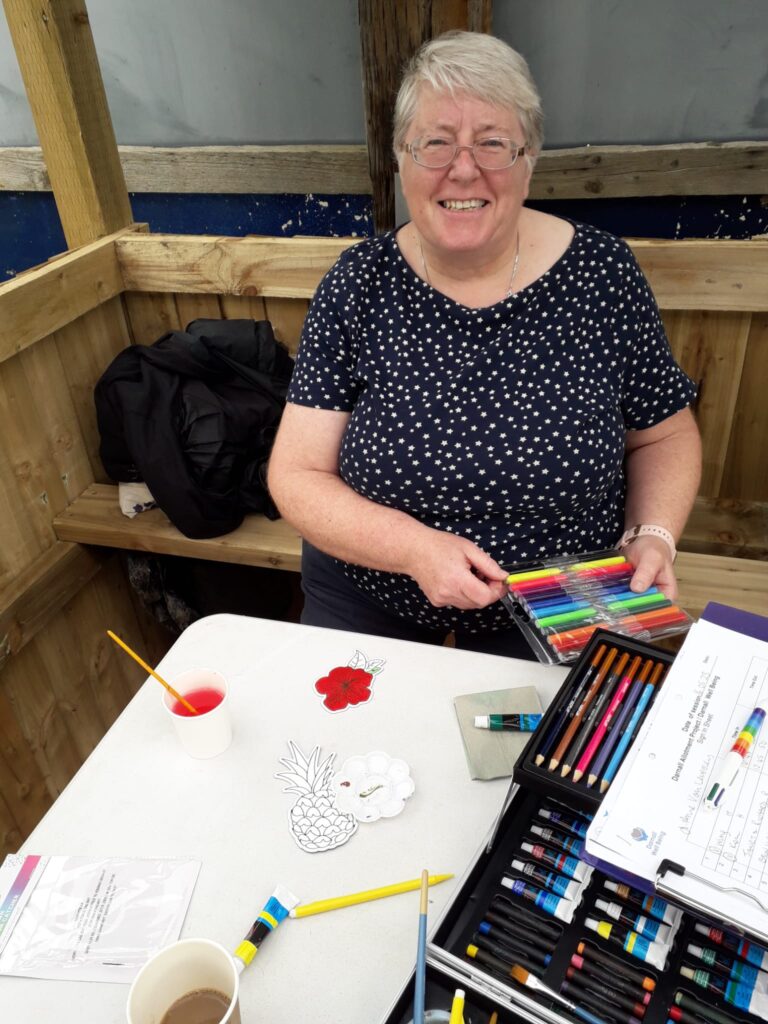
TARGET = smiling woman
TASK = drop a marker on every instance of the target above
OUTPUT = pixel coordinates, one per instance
(485, 385)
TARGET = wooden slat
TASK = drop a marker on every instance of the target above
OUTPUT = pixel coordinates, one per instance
(61, 74)
(711, 348)
(745, 474)
(86, 347)
(40, 301)
(150, 315)
(36, 595)
(243, 307)
(280, 267)
(740, 582)
(584, 172)
(287, 318)
(705, 274)
(95, 518)
(25, 797)
(197, 307)
(727, 526)
(691, 169)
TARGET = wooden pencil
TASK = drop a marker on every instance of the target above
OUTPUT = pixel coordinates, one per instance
(587, 699)
(588, 723)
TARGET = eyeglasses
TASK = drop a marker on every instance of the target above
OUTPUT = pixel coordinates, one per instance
(490, 154)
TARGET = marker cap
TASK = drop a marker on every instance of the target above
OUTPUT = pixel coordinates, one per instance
(482, 721)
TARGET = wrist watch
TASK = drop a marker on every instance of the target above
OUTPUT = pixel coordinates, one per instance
(647, 530)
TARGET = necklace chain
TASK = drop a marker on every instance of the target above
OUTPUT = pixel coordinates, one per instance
(507, 294)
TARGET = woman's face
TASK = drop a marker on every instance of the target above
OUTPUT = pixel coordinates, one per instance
(429, 192)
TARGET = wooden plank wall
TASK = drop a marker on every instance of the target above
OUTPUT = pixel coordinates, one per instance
(63, 685)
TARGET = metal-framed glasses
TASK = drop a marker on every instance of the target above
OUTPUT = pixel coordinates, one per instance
(490, 154)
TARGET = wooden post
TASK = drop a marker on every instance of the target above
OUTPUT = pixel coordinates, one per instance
(61, 74)
(390, 33)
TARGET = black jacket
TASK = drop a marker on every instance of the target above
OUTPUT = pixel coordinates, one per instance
(194, 416)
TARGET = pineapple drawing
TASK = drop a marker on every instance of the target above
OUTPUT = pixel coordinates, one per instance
(316, 823)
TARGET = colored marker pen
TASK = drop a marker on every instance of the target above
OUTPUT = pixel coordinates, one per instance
(546, 901)
(519, 931)
(632, 943)
(558, 884)
(507, 946)
(610, 979)
(561, 862)
(517, 914)
(510, 723)
(735, 759)
(565, 843)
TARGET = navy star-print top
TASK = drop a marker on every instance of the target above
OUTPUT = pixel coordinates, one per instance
(504, 424)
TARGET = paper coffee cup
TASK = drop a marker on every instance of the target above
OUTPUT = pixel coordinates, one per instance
(206, 734)
(184, 967)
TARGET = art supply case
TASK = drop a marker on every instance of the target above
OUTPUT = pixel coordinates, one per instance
(481, 890)
(557, 636)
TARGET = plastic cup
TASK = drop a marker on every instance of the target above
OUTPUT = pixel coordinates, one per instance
(206, 734)
(177, 970)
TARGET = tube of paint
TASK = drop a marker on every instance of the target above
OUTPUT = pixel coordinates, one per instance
(571, 866)
(562, 909)
(631, 942)
(276, 909)
(558, 884)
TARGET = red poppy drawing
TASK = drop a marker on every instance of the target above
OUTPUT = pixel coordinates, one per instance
(349, 684)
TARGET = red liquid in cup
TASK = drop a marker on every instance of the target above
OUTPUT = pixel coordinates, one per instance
(204, 699)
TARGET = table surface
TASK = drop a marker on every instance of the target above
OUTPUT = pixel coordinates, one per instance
(139, 795)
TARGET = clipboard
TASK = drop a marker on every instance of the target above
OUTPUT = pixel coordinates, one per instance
(707, 862)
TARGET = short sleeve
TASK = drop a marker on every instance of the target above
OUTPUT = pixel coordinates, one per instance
(324, 375)
(654, 387)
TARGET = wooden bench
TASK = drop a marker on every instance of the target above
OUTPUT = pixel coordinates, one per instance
(95, 518)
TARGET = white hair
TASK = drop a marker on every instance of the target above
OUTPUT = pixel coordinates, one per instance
(480, 66)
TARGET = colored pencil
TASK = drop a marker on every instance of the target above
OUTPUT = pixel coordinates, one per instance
(457, 1008)
(419, 988)
(616, 727)
(626, 737)
(598, 734)
(567, 712)
(602, 698)
(586, 700)
(337, 902)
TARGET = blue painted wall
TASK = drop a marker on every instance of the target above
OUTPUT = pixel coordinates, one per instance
(30, 231)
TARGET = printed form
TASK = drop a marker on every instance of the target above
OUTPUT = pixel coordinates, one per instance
(655, 808)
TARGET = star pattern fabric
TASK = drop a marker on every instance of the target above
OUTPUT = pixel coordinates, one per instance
(504, 424)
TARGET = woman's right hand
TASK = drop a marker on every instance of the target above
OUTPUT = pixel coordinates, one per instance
(454, 571)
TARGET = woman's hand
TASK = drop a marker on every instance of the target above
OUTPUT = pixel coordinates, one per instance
(652, 561)
(453, 571)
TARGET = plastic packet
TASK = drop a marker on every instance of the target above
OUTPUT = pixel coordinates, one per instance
(89, 919)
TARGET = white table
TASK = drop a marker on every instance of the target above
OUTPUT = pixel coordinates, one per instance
(139, 795)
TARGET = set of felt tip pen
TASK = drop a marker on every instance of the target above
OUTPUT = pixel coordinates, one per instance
(588, 737)
(565, 602)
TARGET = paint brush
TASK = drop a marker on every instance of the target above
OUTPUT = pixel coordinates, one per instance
(421, 953)
(525, 978)
(151, 671)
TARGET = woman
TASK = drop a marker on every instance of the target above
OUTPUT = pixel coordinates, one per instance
(488, 384)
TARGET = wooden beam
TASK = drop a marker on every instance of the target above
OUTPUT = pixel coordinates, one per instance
(588, 172)
(46, 298)
(279, 267)
(39, 593)
(390, 33)
(726, 526)
(706, 274)
(740, 582)
(61, 74)
(692, 169)
(95, 518)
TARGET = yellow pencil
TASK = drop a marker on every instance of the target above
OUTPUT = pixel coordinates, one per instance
(320, 906)
(457, 1008)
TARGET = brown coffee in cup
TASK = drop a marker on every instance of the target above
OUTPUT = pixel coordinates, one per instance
(202, 1006)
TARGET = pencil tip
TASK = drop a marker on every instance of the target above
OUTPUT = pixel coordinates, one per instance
(564, 770)
(539, 759)
(577, 775)
(604, 786)
(553, 764)
(591, 780)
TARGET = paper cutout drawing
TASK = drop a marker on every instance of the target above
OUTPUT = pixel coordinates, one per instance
(317, 824)
(349, 684)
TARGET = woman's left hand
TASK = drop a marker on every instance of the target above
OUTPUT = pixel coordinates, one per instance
(652, 562)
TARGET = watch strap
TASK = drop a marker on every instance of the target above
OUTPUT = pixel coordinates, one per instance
(648, 530)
